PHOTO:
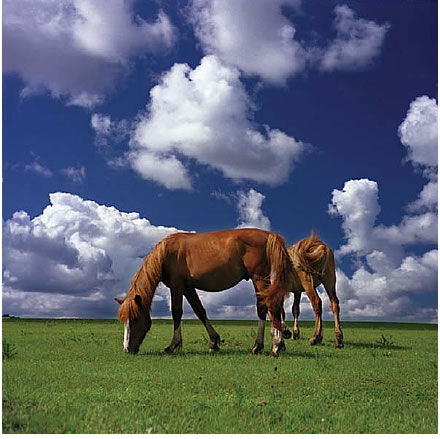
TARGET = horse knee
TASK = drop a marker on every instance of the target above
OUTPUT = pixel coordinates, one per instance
(317, 305)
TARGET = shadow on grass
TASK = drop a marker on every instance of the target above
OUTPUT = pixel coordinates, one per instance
(231, 352)
(393, 347)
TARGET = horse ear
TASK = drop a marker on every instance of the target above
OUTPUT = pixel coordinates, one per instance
(120, 301)
(138, 300)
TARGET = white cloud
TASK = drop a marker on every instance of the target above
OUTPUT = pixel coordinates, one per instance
(419, 132)
(165, 169)
(77, 249)
(427, 199)
(258, 39)
(250, 212)
(357, 203)
(357, 43)
(37, 168)
(76, 49)
(102, 124)
(390, 293)
(108, 131)
(416, 229)
(387, 279)
(252, 35)
(204, 115)
(77, 175)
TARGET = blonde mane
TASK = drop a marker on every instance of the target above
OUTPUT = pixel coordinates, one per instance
(310, 255)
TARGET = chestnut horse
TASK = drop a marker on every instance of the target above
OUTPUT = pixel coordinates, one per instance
(314, 264)
(212, 261)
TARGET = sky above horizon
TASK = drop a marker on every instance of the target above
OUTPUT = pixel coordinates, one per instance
(126, 123)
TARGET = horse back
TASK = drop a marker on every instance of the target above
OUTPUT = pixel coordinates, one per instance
(214, 261)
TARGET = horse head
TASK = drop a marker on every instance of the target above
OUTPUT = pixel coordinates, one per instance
(137, 322)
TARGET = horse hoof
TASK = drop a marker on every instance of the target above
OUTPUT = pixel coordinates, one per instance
(287, 334)
(274, 354)
(171, 349)
(213, 349)
(315, 340)
(339, 344)
(295, 336)
(257, 349)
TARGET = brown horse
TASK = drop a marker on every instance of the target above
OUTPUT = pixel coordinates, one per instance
(212, 261)
(314, 263)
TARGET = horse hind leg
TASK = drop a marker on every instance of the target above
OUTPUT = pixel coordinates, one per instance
(276, 320)
(329, 285)
(276, 332)
(296, 312)
(194, 300)
(316, 302)
(177, 312)
(286, 333)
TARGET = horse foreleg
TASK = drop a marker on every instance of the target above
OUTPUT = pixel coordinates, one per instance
(295, 312)
(259, 341)
(194, 300)
(177, 312)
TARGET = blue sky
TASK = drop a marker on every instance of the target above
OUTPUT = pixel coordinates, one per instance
(124, 124)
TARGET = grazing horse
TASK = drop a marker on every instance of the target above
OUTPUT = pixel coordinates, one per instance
(212, 261)
(314, 264)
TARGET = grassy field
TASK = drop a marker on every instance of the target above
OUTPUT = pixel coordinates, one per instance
(71, 376)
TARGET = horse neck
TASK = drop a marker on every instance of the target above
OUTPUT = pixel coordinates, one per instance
(142, 287)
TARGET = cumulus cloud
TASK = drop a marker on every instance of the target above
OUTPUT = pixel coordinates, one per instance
(357, 203)
(419, 132)
(204, 115)
(253, 36)
(386, 278)
(389, 276)
(357, 43)
(427, 199)
(250, 211)
(258, 39)
(384, 293)
(76, 251)
(76, 49)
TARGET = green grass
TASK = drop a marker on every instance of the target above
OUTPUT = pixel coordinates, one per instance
(71, 376)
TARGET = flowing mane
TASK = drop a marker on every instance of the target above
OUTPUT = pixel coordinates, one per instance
(310, 255)
(144, 282)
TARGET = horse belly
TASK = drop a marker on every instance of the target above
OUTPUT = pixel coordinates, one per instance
(219, 279)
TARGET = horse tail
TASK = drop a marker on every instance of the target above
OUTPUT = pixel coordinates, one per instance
(280, 271)
(144, 283)
(311, 255)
